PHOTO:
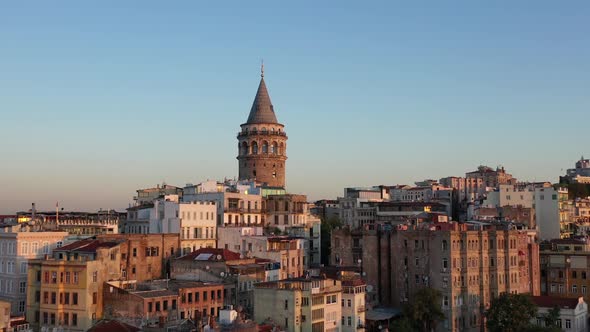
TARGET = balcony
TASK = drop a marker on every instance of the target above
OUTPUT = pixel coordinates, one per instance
(361, 309)
(264, 133)
(241, 210)
(360, 326)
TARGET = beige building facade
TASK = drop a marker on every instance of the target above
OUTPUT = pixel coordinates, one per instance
(15, 251)
(301, 304)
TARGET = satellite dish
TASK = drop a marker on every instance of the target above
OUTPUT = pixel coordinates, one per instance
(369, 288)
(219, 257)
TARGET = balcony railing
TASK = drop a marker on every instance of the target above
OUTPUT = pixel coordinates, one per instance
(259, 132)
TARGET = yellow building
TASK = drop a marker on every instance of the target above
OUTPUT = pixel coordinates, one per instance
(65, 290)
(300, 304)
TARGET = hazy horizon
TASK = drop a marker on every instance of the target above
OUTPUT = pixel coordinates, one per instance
(100, 99)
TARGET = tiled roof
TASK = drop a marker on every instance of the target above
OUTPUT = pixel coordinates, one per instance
(262, 110)
(552, 301)
(112, 326)
(87, 245)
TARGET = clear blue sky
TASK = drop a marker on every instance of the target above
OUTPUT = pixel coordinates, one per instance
(100, 98)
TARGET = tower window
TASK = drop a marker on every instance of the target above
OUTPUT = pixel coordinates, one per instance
(254, 173)
(274, 174)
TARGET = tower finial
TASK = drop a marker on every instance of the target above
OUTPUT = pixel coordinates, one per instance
(261, 67)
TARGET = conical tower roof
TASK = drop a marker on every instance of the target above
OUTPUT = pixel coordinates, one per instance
(262, 110)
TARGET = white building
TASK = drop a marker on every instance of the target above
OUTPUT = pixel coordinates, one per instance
(195, 222)
(353, 303)
(542, 197)
(233, 208)
(198, 226)
(15, 249)
(573, 314)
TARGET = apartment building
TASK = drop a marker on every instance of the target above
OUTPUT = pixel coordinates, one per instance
(565, 265)
(65, 289)
(470, 263)
(300, 304)
(16, 248)
(250, 242)
(159, 303)
(145, 256)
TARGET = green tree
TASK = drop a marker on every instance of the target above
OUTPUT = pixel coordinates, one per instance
(552, 317)
(403, 324)
(425, 309)
(510, 313)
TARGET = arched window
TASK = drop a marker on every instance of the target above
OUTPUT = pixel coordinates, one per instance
(265, 147)
(254, 148)
(244, 148)
(273, 148)
(444, 245)
(263, 130)
(281, 149)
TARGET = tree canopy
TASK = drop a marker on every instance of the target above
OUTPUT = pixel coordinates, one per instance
(424, 311)
(510, 313)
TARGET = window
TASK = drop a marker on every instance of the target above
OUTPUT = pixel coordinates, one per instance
(574, 288)
(583, 289)
(23, 268)
(94, 298)
(21, 306)
(67, 298)
(52, 322)
(568, 324)
(45, 318)
(75, 318)
(67, 277)
(331, 299)
(134, 252)
(54, 277)
(305, 302)
(349, 321)
(74, 301)
(53, 297)
(349, 304)
(22, 287)
(46, 297)
(66, 319)
(75, 278)
(37, 296)
(286, 304)
(59, 244)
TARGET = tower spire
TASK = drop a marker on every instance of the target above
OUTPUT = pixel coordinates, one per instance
(262, 68)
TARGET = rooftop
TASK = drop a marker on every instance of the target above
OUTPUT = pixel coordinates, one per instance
(552, 301)
(87, 246)
(106, 325)
(212, 254)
